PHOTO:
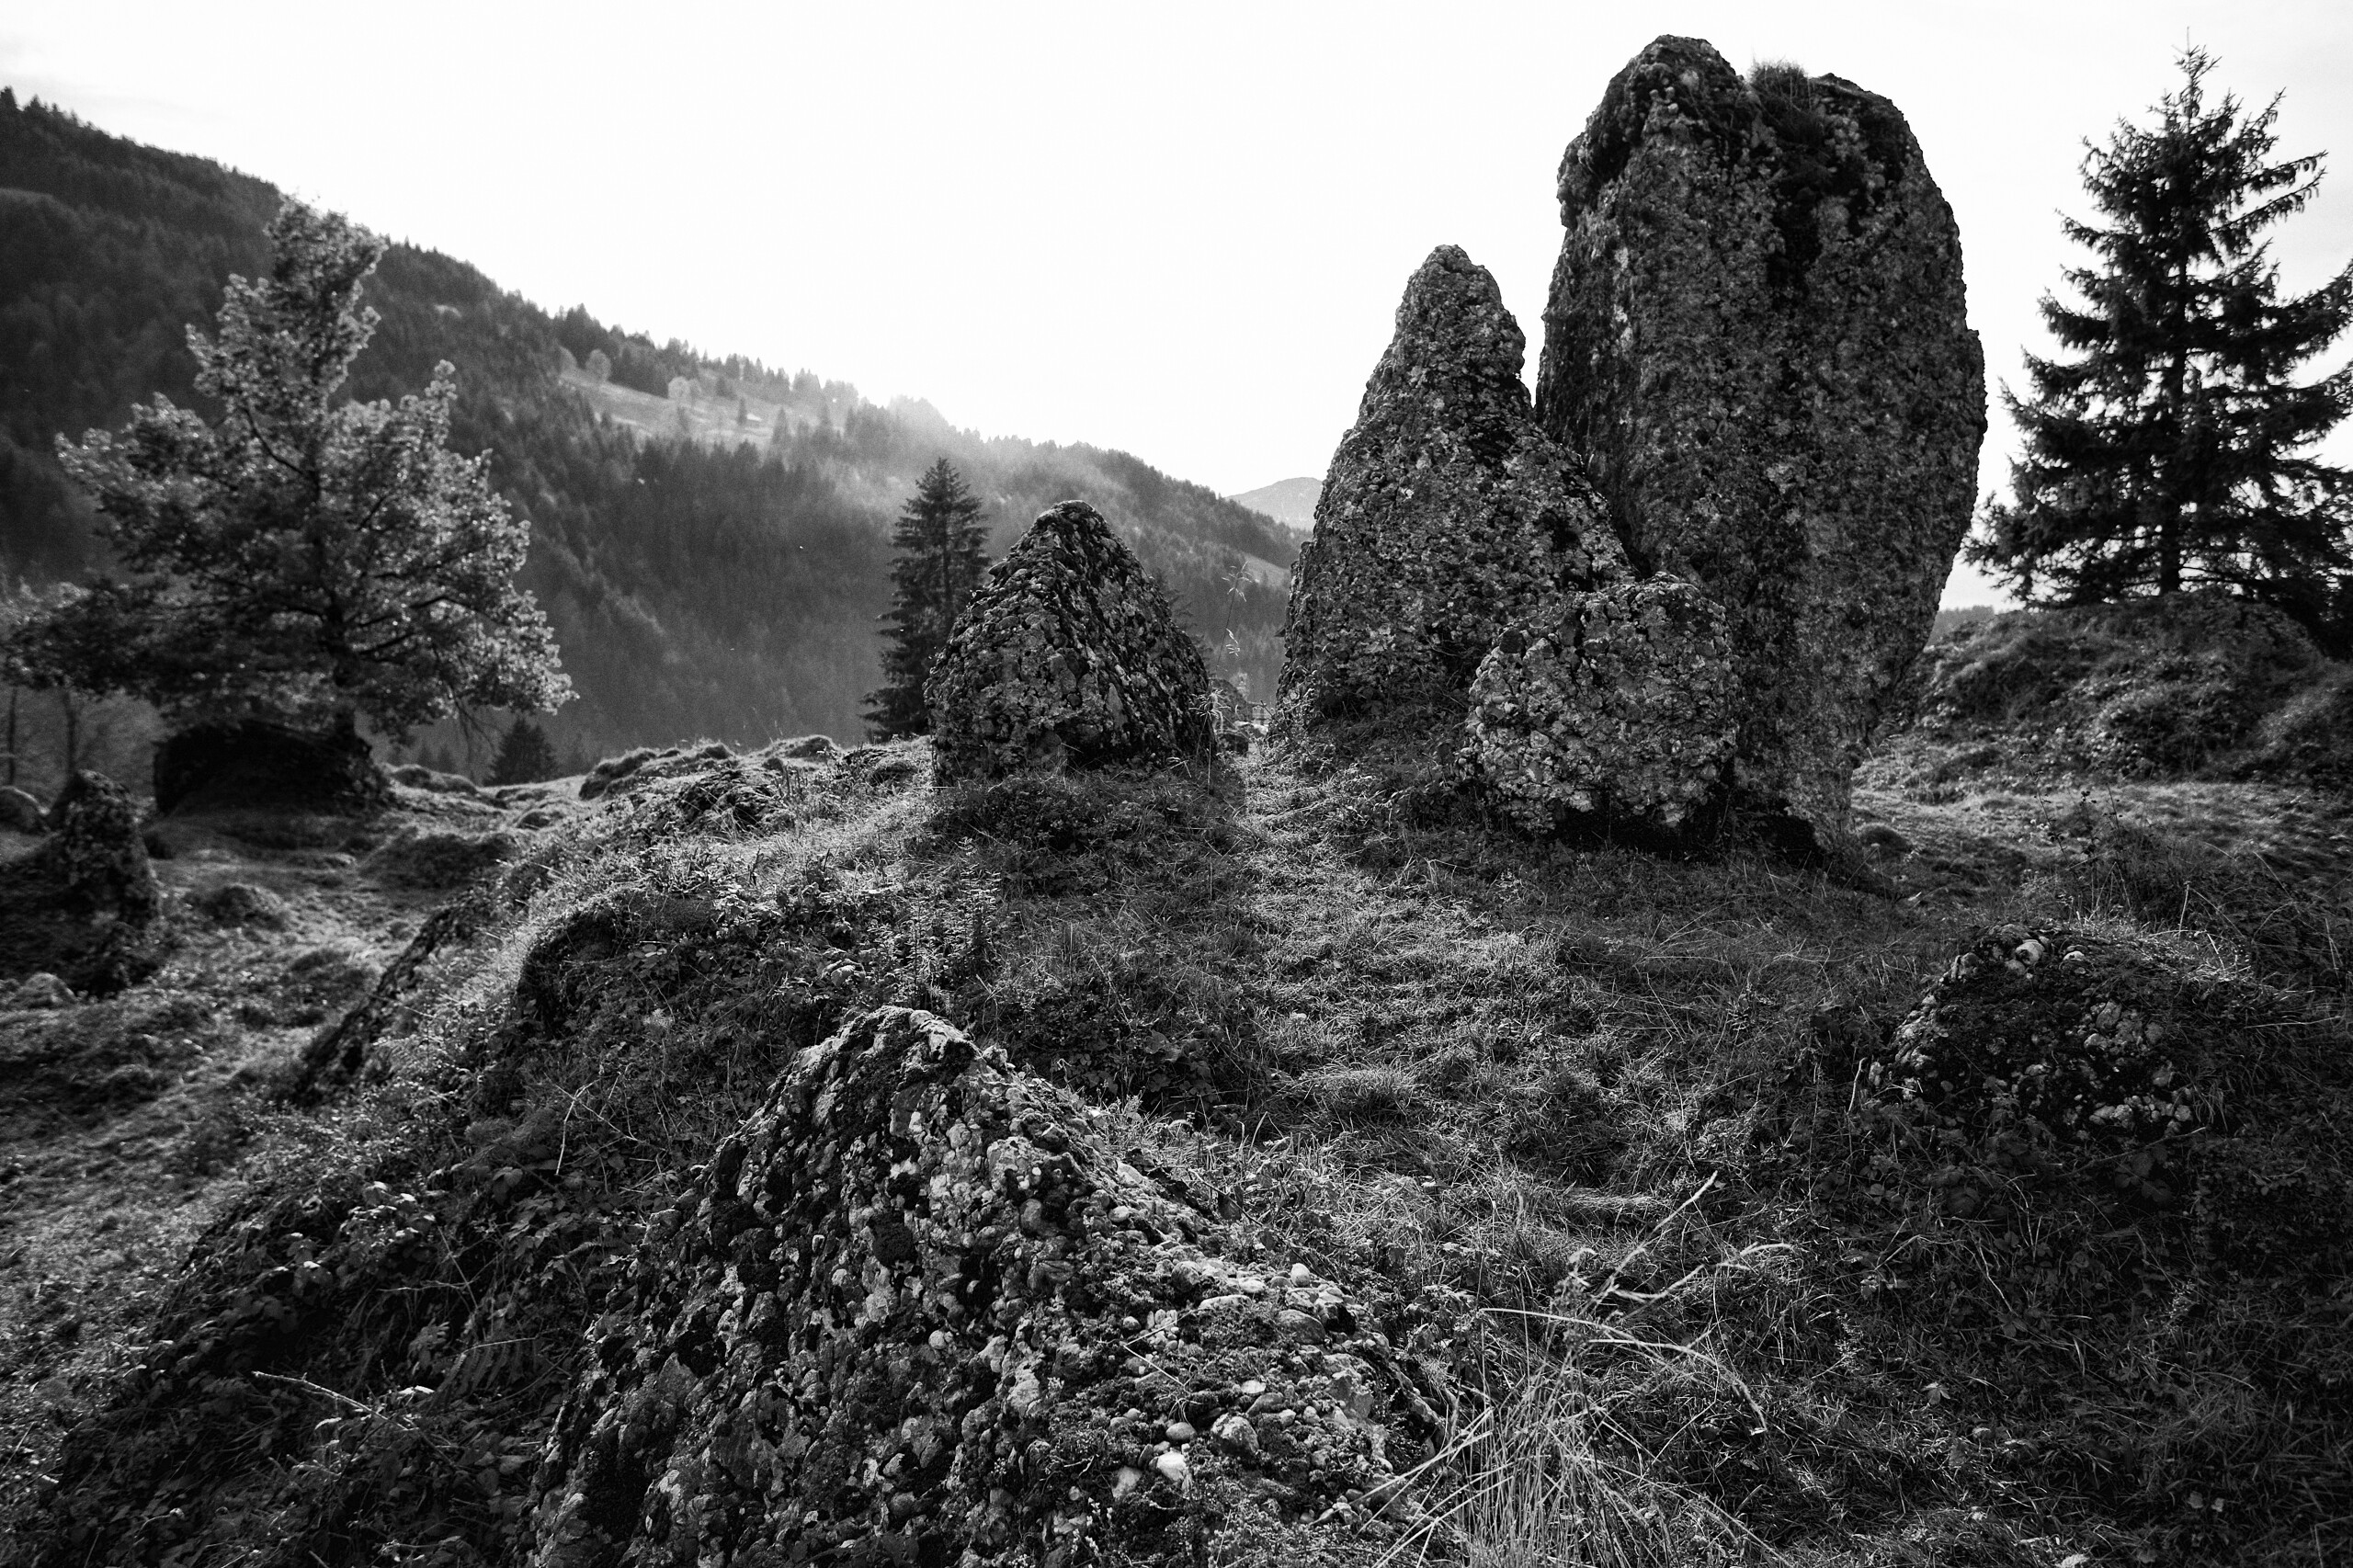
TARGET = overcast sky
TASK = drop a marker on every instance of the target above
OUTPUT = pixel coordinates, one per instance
(1179, 230)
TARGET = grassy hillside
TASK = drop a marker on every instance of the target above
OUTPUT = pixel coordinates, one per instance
(713, 563)
(1720, 1212)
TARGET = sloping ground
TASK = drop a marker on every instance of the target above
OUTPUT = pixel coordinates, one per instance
(2197, 684)
(1369, 1185)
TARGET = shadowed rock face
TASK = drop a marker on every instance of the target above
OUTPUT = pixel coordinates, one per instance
(921, 1310)
(235, 763)
(1616, 702)
(1067, 654)
(1447, 515)
(1756, 341)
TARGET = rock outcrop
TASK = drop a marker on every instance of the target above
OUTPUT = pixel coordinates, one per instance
(921, 1310)
(84, 905)
(1447, 516)
(1617, 703)
(1067, 655)
(1756, 341)
(97, 856)
(232, 765)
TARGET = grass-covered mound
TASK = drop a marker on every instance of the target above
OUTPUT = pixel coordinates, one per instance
(2188, 684)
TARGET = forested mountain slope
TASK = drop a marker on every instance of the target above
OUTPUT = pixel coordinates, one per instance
(710, 538)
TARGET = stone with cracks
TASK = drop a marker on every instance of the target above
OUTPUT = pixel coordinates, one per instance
(921, 1308)
(1447, 516)
(1067, 655)
(1617, 703)
(1757, 340)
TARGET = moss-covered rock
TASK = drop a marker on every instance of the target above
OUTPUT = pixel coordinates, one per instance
(920, 1310)
(1067, 655)
(1757, 340)
(1617, 703)
(1447, 516)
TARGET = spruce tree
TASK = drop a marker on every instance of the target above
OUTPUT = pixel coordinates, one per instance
(2173, 451)
(940, 543)
(526, 755)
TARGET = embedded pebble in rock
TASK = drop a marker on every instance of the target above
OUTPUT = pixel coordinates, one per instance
(19, 813)
(1068, 655)
(1446, 514)
(1757, 339)
(885, 1326)
(1619, 704)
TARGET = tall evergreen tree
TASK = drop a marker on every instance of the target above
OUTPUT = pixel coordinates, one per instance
(525, 755)
(940, 544)
(2173, 451)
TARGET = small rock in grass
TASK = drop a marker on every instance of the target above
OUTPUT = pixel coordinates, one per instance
(242, 903)
(42, 991)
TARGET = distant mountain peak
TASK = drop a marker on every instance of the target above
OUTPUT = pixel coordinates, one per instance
(1290, 502)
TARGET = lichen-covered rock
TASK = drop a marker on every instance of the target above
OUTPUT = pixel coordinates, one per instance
(1447, 516)
(1757, 340)
(97, 854)
(1067, 655)
(1614, 704)
(920, 1310)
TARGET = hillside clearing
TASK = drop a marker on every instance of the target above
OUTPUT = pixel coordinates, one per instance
(1584, 1117)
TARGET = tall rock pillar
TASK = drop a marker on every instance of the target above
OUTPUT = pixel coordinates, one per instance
(1447, 515)
(1757, 341)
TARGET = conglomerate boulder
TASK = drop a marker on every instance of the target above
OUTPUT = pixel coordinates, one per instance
(1617, 703)
(921, 1310)
(1756, 341)
(97, 854)
(1067, 654)
(1447, 515)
